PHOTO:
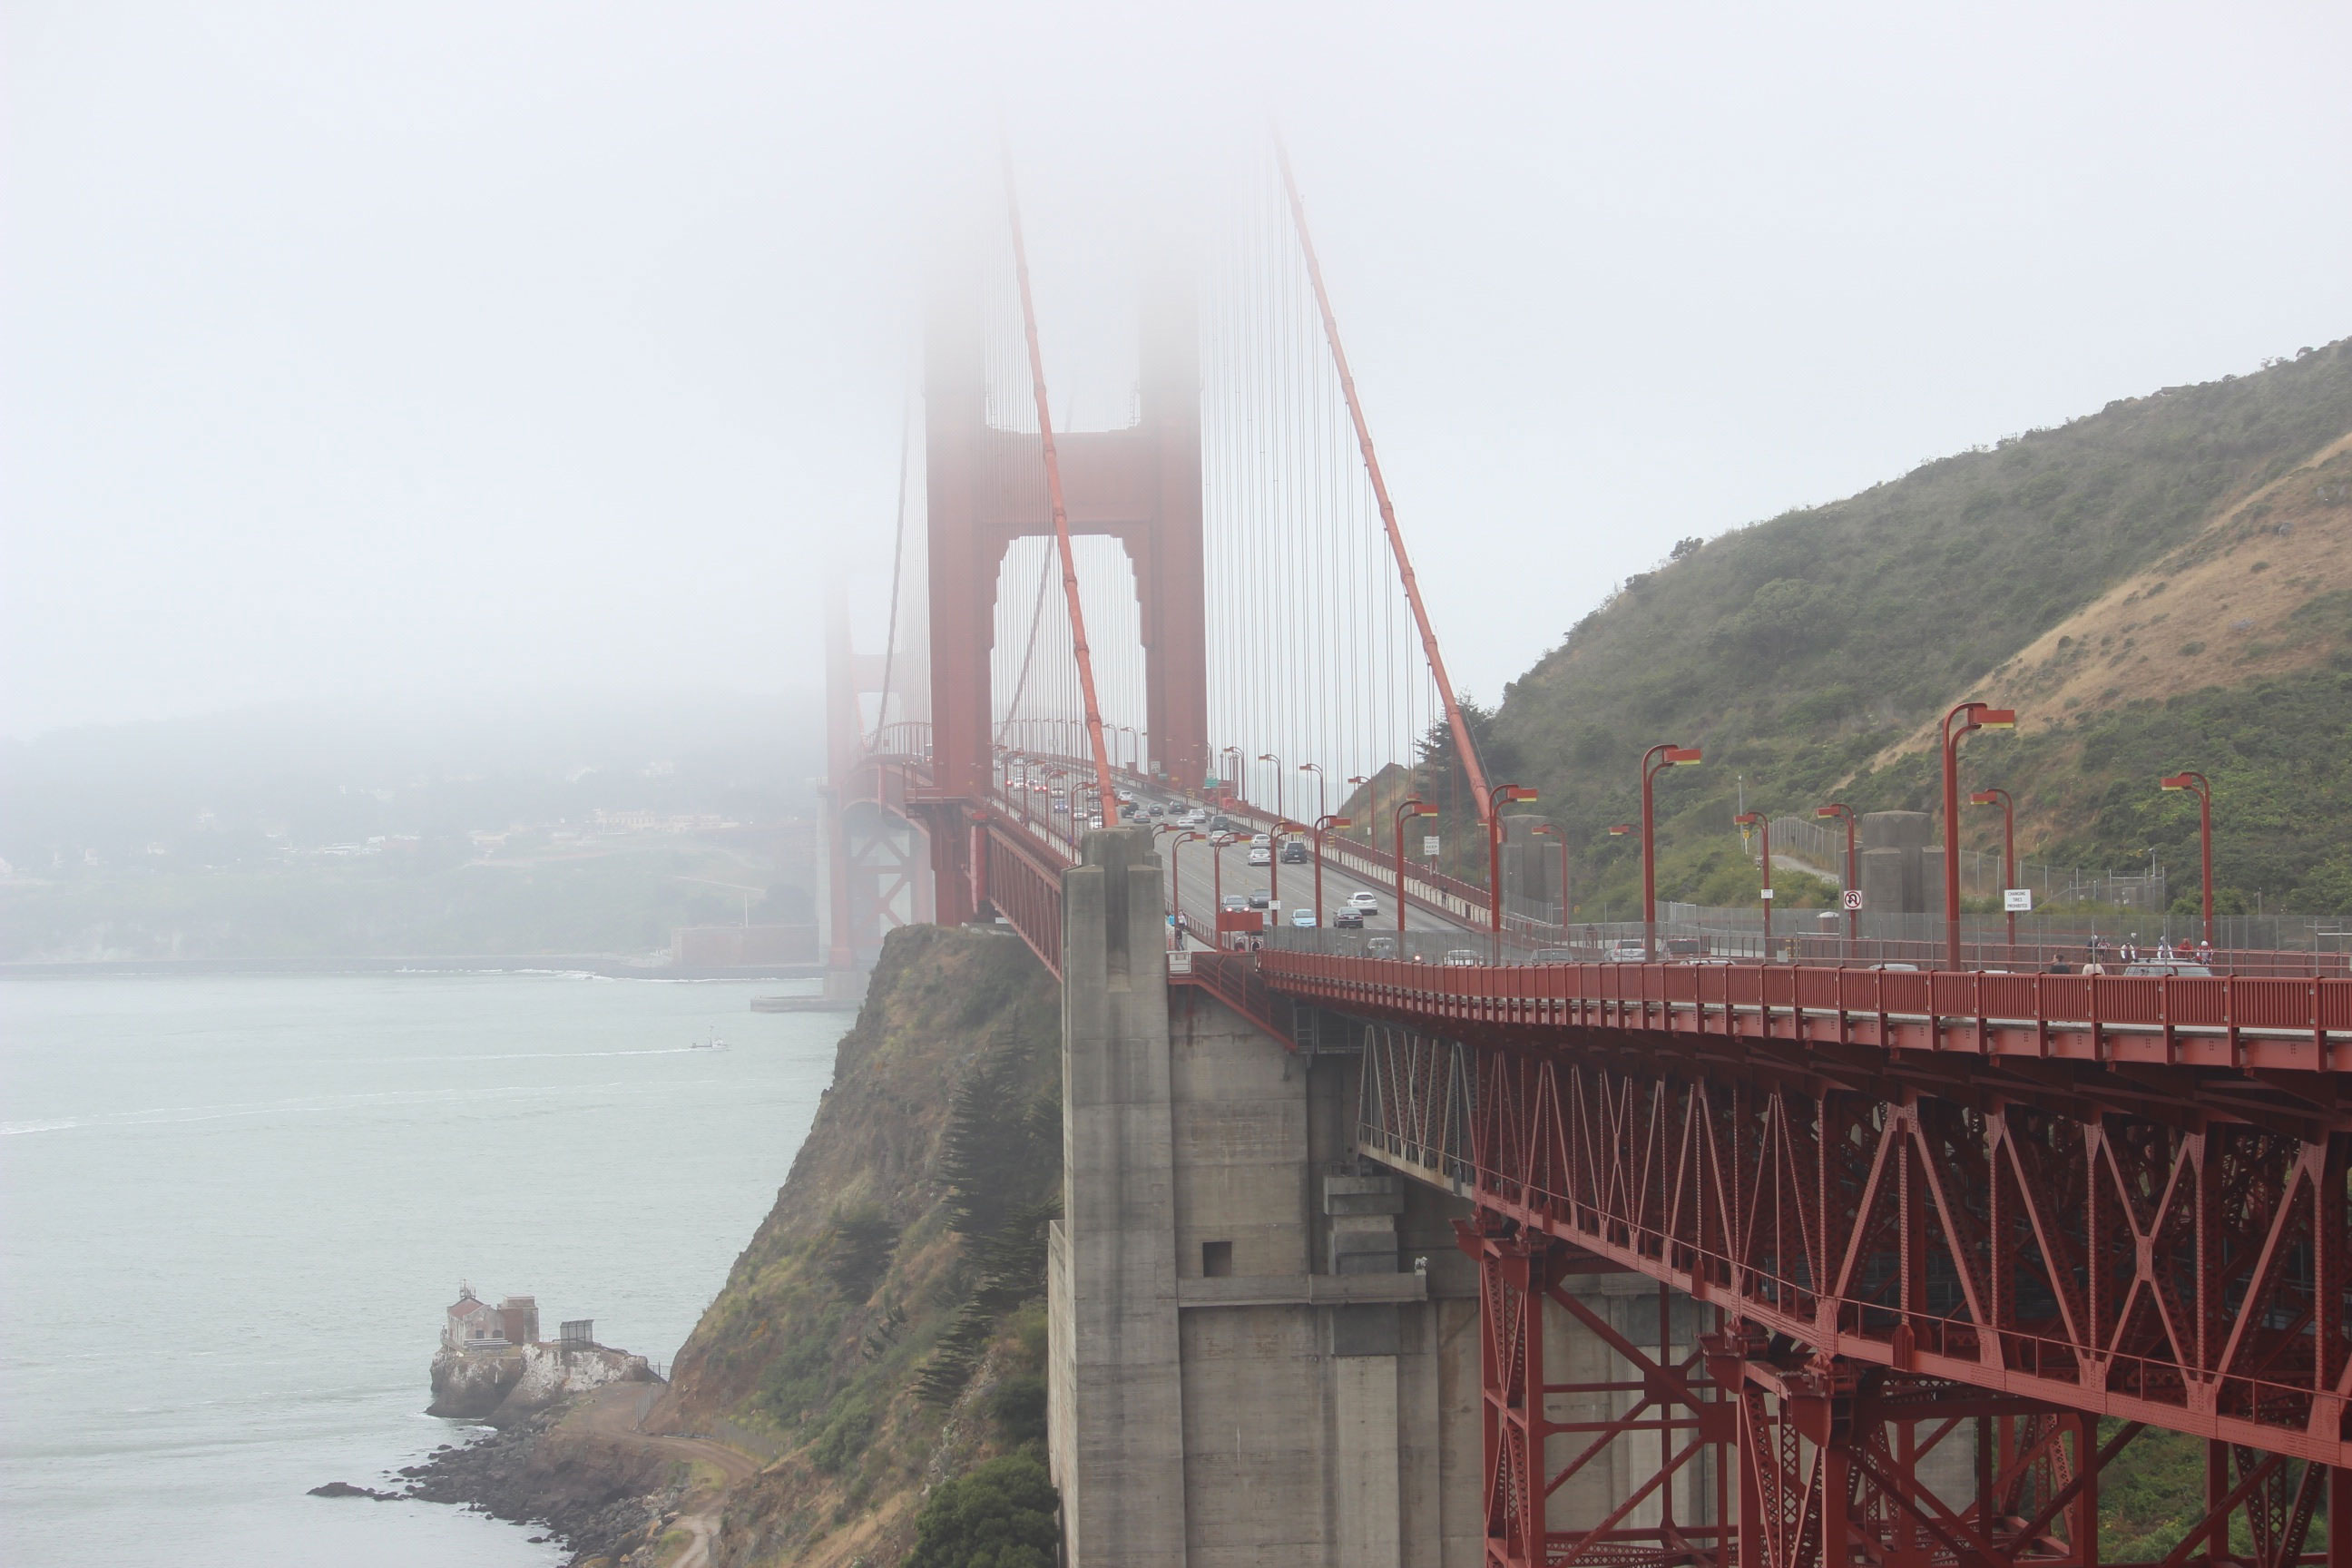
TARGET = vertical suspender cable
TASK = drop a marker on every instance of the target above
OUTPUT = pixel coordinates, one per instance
(898, 559)
(1078, 647)
(1477, 777)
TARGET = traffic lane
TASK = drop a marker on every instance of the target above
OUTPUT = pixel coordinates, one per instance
(1298, 885)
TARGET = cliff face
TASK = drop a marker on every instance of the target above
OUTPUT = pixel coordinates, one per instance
(879, 1333)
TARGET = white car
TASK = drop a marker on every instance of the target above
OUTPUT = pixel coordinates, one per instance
(1628, 949)
(1262, 840)
(1366, 900)
(1261, 856)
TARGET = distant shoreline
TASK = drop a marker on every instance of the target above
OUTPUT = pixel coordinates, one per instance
(606, 966)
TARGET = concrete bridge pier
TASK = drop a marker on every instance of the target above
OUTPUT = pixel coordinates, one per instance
(1264, 1346)
(1247, 1366)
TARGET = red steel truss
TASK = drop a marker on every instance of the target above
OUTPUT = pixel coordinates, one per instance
(1901, 1246)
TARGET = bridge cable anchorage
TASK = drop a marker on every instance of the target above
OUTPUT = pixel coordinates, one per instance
(1479, 793)
(897, 562)
(1103, 785)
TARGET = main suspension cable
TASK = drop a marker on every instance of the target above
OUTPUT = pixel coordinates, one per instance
(1480, 796)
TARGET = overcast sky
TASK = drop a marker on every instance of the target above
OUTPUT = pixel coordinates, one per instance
(359, 348)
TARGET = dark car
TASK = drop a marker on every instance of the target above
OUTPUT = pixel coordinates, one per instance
(1293, 853)
(1347, 919)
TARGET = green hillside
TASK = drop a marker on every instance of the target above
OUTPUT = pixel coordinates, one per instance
(1806, 654)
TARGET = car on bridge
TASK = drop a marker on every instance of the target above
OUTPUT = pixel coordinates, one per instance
(1462, 958)
(1261, 856)
(1236, 901)
(1261, 899)
(1293, 853)
(1552, 955)
(1628, 949)
(1381, 947)
(1346, 919)
(1262, 840)
(1364, 902)
(1302, 916)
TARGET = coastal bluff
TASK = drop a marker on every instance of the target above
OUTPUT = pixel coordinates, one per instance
(881, 1339)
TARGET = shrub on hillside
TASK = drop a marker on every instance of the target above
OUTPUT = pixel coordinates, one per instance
(1001, 1515)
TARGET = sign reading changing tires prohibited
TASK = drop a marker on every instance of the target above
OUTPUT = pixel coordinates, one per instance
(1852, 899)
(2017, 900)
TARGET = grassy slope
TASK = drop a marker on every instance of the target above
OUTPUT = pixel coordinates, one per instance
(1807, 653)
(814, 1367)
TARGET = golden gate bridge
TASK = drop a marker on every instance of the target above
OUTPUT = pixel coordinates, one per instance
(2049, 1211)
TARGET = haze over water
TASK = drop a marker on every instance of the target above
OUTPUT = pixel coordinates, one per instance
(234, 1209)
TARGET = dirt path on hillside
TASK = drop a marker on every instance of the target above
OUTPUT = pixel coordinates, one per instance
(615, 1414)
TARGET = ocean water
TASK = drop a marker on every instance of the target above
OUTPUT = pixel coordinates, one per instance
(232, 1210)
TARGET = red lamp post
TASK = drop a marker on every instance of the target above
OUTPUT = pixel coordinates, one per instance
(1655, 760)
(1501, 795)
(1317, 768)
(1553, 830)
(1763, 824)
(1999, 797)
(1412, 806)
(1217, 842)
(1274, 864)
(1235, 793)
(2203, 788)
(1974, 716)
(1175, 868)
(1853, 915)
(1270, 757)
(1322, 826)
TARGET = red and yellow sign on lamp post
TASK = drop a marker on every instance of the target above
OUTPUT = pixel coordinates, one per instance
(1412, 807)
(1763, 824)
(1999, 797)
(1974, 716)
(1505, 794)
(1655, 760)
(2203, 788)
(1324, 825)
(1852, 878)
(1553, 830)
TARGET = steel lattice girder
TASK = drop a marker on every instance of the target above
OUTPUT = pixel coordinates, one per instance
(2190, 1277)
(1520, 1276)
(1820, 1450)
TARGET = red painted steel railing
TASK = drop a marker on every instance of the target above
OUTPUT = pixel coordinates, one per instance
(2298, 1025)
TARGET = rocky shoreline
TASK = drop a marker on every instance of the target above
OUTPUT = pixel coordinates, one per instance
(603, 1502)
